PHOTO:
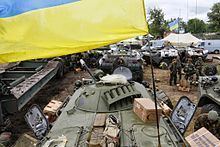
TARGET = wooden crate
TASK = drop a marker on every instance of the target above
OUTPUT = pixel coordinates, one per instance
(96, 137)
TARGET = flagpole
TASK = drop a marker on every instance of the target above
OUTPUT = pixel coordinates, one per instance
(154, 87)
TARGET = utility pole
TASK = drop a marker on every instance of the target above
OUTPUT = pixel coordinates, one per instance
(187, 10)
(196, 15)
(179, 21)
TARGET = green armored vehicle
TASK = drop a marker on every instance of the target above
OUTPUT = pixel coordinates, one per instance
(120, 60)
(209, 101)
(100, 113)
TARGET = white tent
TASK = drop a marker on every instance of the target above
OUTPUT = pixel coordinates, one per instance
(182, 39)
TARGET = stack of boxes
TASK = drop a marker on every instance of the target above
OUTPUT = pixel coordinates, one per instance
(184, 85)
(145, 109)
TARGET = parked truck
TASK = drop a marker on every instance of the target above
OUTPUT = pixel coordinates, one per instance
(213, 46)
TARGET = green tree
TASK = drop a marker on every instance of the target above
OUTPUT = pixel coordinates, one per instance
(196, 26)
(157, 23)
(214, 18)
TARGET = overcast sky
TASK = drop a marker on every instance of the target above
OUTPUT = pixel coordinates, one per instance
(178, 8)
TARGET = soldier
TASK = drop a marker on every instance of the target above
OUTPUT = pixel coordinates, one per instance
(173, 72)
(198, 66)
(189, 69)
(179, 68)
(210, 121)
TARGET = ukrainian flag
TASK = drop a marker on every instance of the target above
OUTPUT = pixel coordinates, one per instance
(32, 29)
(174, 25)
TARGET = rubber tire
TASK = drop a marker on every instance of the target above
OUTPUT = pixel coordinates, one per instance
(93, 63)
(208, 107)
(216, 51)
(210, 70)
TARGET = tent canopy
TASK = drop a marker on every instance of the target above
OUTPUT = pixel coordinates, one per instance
(182, 39)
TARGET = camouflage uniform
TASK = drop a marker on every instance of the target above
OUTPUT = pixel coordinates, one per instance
(212, 125)
(179, 68)
(189, 69)
(173, 72)
(198, 66)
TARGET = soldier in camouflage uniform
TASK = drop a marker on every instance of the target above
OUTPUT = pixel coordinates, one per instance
(179, 68)
(189, 69)
(198, 65)
(210, 123)
(173, 72)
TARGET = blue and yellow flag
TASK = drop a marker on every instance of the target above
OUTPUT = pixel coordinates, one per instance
(174, 25)
(31, 29)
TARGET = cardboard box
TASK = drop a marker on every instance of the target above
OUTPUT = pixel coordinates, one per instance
(184, 83)
(51, 109)
(203, 138)
(100, 120)
(145, 109)
(97, 137)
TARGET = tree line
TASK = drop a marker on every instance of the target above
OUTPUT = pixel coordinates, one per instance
(159, 26)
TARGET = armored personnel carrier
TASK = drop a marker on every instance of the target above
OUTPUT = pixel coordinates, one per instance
(193, 53)
(100, 113)
(209, 102)
(123, 61)
(160, 55)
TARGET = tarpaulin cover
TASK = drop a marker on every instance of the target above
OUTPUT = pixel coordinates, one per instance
(182, 39)
(31, 29)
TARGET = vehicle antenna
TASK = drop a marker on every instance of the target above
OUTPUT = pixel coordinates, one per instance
(154, 93)
(87, 68)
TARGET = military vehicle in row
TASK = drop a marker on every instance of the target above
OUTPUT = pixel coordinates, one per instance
(122, 60)
(209, 102)
(110, 98)
(159, 55)
(166, 53)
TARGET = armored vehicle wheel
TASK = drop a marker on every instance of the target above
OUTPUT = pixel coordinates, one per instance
(93, 62)
(210, 122)
(167, 61)
(210, 70)
(216, 51)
